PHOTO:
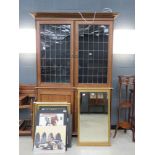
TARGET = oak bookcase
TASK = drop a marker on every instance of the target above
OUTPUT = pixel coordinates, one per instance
(73, 50)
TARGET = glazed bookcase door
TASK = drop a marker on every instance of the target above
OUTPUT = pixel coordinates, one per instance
(54, 53)
(94, 53)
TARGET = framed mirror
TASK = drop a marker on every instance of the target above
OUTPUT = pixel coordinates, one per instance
(94, 117)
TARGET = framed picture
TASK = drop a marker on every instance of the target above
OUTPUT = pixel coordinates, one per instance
(54, 107)
(54, 119)
(53, 104)
(100, 95)
(69, 131)
(51, 117)
(50, 139)
(92, 95)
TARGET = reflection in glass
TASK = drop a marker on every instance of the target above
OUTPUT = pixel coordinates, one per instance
(93, 49)
(55, 53)
(93, 117)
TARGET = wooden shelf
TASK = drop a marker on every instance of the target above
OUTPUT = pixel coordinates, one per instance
(21, 97)
(25, 128)
(125, 125)
(27, 94)
(24, 102)
(125, 104)
(25, 133)
(24, 107)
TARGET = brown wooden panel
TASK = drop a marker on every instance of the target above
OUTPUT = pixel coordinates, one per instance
(56, 95)
(27, 89)
(55, 98)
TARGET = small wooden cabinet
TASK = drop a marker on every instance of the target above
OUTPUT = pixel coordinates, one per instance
(73, 51)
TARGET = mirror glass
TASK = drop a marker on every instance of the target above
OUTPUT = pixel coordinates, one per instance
(94, 117)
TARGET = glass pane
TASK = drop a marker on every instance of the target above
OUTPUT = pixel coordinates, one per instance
(93, 53)
(55, 53)
(94, 117)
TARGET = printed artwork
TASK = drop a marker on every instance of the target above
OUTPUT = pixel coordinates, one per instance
(51, 119)
(93, 95)
(50, 139)
(100, 96)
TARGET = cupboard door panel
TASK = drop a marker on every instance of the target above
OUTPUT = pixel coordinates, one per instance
(93, 49)
(55, 95)
(55, 98)
(54, 53)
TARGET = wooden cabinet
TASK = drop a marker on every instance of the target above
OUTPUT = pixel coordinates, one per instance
(73, 51)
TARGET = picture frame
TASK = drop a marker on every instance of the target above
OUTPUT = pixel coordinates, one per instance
(100, 95)
(50, 139)
(69, 131)
(55, 116)
(93, 95)
(67, 119)
(53, 104)
(55, 107)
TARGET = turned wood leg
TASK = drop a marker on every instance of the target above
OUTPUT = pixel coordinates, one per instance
(133, 135)
(115, 131)
(125, 130)
(117, 126)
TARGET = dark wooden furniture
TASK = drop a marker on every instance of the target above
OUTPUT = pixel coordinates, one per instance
(126, 104)
(73, 51)
(26, 98)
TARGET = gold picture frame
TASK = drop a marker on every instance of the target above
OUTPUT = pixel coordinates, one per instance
(36, 106)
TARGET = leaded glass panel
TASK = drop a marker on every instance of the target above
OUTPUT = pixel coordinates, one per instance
(55, 53)
(93, 53)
